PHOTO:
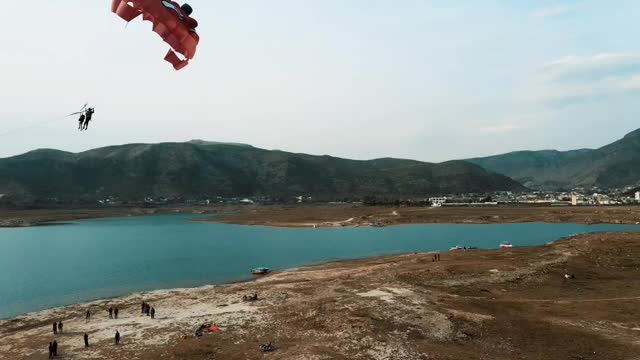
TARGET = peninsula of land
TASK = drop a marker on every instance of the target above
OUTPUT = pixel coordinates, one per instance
(343, 215)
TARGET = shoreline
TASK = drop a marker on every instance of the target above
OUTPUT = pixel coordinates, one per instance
(454, 308)
(310, 266)
(198, 217)
(127, 295)
(328, 262)
(321, 263)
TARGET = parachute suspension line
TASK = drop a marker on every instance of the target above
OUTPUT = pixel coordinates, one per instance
(81, 110)
(38, 124)
(31, 126)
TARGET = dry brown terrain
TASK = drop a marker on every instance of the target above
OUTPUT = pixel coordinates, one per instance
(309, 216)
(20, 217)
(502, 304)
(346, 215)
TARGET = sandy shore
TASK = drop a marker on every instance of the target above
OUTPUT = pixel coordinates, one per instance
(503, 304)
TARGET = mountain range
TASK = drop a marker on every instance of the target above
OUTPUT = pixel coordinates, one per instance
(199, 169)
(612, 166)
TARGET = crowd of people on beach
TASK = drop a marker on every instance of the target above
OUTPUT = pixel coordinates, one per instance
(113, 312)
(146, 310)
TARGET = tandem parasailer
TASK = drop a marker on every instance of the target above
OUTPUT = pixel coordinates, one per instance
(86, 113)
(170, 20)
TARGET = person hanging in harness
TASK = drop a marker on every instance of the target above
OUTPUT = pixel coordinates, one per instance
(87, 117)
(80, 122)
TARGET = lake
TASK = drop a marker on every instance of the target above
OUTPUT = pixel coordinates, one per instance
(50, 266)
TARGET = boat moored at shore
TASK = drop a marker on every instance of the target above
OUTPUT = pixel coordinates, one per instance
(260, 271)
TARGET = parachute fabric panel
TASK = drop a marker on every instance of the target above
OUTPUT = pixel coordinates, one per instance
(122, 9)
(169, 21)
(177, 63)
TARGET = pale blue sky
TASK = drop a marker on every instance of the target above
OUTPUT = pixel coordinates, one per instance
(429, 80)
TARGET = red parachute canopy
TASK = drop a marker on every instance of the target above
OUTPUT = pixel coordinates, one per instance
(169, 20)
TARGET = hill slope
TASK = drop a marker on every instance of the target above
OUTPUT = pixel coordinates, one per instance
(208, 169)
(614, 165)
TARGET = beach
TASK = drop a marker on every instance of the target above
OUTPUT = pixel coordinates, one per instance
(499, 304)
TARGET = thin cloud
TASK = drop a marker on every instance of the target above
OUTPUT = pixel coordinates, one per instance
(552, 11)
(574, 79)
(602, 60)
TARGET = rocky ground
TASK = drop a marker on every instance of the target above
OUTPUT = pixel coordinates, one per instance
(501, 304)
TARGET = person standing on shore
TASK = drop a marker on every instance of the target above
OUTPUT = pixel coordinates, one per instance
(88, 315)
(86, 340)
(110, 313)
(60, 327)
(143, 306)
(54, 347)
(50, 350)
(115, 312)
(117, 337)
(153, 313)
(55, 328)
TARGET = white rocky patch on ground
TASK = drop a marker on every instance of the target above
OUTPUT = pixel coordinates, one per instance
(386, 294)
(182, 310)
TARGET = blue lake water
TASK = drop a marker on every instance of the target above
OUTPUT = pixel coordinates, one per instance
(49, 266)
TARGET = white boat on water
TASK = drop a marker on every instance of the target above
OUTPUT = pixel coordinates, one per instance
(260, 271)
(505, 245)
(455, 248)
